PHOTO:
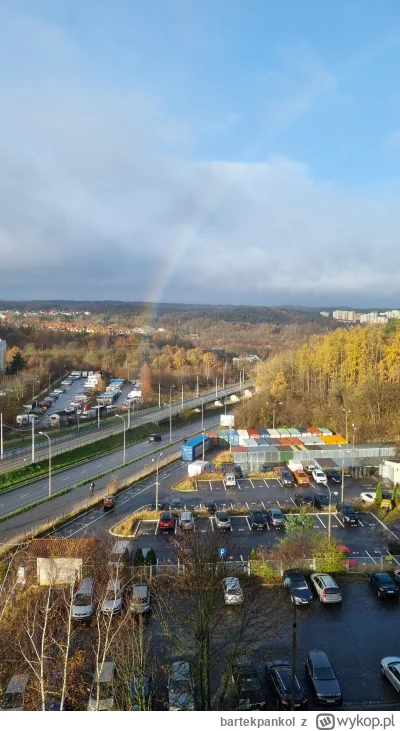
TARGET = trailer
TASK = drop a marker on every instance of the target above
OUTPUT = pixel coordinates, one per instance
(197, 467)
(194, 448)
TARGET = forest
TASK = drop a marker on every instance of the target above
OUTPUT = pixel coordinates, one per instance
(354, 370)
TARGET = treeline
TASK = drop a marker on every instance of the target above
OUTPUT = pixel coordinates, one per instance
(355, 369)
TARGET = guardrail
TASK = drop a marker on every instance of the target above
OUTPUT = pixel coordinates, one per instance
(142, 417)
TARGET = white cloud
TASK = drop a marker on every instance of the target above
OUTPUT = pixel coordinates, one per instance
(94, 204)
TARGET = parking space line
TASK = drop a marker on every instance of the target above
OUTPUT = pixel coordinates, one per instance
(247, 506)
(248, 523)
(361, 522)
(278, 503)
(293, 502)
(321, 521)
(156, 531)
(263, 505)
(209, 482)
(239, 488)
(266, 483)
(339, 521)
(251, 483)
(212, 524)
(369, 556)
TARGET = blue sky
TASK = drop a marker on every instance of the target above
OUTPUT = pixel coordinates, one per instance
(265, 134)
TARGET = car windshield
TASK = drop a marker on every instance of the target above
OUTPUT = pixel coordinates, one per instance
(249, 682)
(322, 499)
(302, 474)
(111, 595)
(180, 686)
(82, 600)
(324, 674)
(12, 700)
(331, 590)
(298, 584)
(105, 691)
(166, 517)
(286, 676)
(222, 516)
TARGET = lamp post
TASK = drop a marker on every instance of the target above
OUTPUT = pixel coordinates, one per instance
(157, 481)
(33, 441)
(202, 414)
(273, 413)
(182, 397)
(159, 395)
(216, 387)
(98, 414)
(294, 658)
(1, 437)
(330, 514)
(197, 387)
(354, 437)
(47, 437)
(347, 412)
(121, 417)
(203, 442)
(342, 486)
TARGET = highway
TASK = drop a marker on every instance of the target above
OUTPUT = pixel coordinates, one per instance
(146, 416)
(27, 494)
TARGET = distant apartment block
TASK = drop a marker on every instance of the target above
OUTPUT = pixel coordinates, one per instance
(324, 314)
(3, 354)
(346, 315)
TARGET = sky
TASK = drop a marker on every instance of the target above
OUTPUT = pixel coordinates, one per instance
(222, 151)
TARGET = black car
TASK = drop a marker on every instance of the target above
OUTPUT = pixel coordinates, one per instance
(266, 468)
(287, 478)
(248, 687)
(238, 471)
(347, 513)
(226, 467)
(320, 501)
(257, 519)
(300, 592)
(278, 674)
(155, 438)
(304, 498)
(176, 503)
(324, 682)
(163, 505)
(383, 584)
(141, 692)
(211, 506)
(334, 476)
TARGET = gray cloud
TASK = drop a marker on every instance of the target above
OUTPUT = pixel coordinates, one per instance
(97, 200)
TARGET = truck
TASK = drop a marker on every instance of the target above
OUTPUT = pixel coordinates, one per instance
(76, 374)
(197, 467)
(61, 418)
(25, 419)
(194, 448)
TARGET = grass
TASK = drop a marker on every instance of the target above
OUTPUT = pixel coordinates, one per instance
(264, 475)
(188, 485)
(223, 458)
(60, 462)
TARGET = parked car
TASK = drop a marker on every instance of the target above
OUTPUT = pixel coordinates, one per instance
(384, 584)
(352, 562)
(140, 599)
(155, 438)
(266, 468)
(166, 521)
(180, 687)
(323, 679)
(176, 503)
(308, 468)
(109, 502)
(321, 501)
(278, 675)
(186, 521)
(238, 471)
(303, 499)
(247, 685)
(83, 606)
(112, 602)
(370, 495)
(161, 505)
(301, 477)
(141, 692)
(326, 588)
(347, 513)
(287, 478)
(257, 519)
(300, 592)
(69, 409)
(390, 668)
(13, 698)
(233, 593)
(319, 477)
(102, 689)
(222, 520)
(334, 476)
(276, 517)
(211, 506)
(225, 467)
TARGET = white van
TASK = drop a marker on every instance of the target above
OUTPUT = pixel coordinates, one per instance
(82, 608)
(103, 684)
(13, 698)
(230, 480)
(22, 419)
(197, 467)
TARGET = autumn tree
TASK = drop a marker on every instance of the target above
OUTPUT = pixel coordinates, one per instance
(146, 382)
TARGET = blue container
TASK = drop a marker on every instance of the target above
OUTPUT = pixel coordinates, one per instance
(194, 447)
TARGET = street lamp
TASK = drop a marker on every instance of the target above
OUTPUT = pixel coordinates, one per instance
(121, 417)
(203, 442)
(202, 414)
(47, 437)
(348, 411)
(330, 513)
(98, 413)
(157, 482)
(354, 436)
(342, 487)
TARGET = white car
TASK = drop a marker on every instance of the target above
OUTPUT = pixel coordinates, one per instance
(319, 477)
(112, 602)
(59, 390)
(233, 592)
(66, 383)
(368, 497)
(69, 409)
(180, 687)
(390, 667)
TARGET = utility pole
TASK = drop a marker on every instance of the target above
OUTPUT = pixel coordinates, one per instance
(347, 412)
(216, 387)
(182, 395)
(33, 441)
(354, 436)
(124, 452)
(294, 657)
(47, 437)
(157, 480)
(98, 414)
(202, 414)
(330, 512)
(159, 395)
(203, 443)
(197, 388)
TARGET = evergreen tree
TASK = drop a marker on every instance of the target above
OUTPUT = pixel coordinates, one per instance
(151, 559)
(138, 559)
(395, 496)
(17, 364)
(378, 497)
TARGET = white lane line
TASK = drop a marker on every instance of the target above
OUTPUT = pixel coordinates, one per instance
(209, 482)
(100, 463)
(384, 526)
(266, 483)
(247, 505)
(361, 523)
(369, 555)
(212, 524)
(322, 523)
(338, 519)
(65, 478)
(278, 503)
(263, 505)
(156, 531)
(248, 522)
(251, 483)
(24, 495)
(293, 502)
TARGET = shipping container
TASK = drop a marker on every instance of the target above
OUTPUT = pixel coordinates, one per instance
(250, 443)
(233, 438)
(284, 442)
(324, 431)
(274, 433)
(284, 432)
(253, 433)
(294, 432)
(314, 430)
(263, 432)
(333, 439)
(214, 437)
(194, 448)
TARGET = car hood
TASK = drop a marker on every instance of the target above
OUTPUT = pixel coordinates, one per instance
(327, 687)
(110, 604)
(304, 594)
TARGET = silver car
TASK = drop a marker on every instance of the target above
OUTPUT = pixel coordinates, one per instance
(222, 519)
(140, 599)
(390, 667)
(112, 602)
(233, 592)
(180, 687)
(326, 588)
(186, 521)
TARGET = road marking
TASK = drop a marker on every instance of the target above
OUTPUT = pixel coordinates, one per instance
(65, 478)
(156, 531)
(2, 505)
(212, 524)
(361, 522)
(293, 502)
(263, 504)
(251, 482)
(82, 471)
(24, 495)
(100, 464)
(372, 559)
(278, 503)
(337, 518)
(248, 522)
(385, 526)
(266, 483)
(322, 523)
(209, 482)
(247, 506)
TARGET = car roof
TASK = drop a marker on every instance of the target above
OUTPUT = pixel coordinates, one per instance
(231, 581)
(106, 674)
(86, 585)
(187, 515)
(180, 669)
(222, 512)
(114, 584)
(293, 572)
(257, 510)
(319, 658)
(328, 580)
(165, 513)
(275, 510)
(383, 575)
(141, 590)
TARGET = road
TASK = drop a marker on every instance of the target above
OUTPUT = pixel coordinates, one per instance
(30, 493)
(146, 416)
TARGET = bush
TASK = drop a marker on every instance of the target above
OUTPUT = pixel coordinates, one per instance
(151, 559)
(138, 559)
(395, 496)
(378, 497)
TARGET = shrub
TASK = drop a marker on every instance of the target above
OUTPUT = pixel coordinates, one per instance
(151, 559)
(138, 559)
(378, 497)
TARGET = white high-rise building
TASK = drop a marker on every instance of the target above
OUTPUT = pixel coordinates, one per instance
(3, 354)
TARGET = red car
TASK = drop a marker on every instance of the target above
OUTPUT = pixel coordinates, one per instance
(109, 502)
(166, 521)
(352, 561)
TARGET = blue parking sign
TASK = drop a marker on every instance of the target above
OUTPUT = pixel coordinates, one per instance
(222, 552)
